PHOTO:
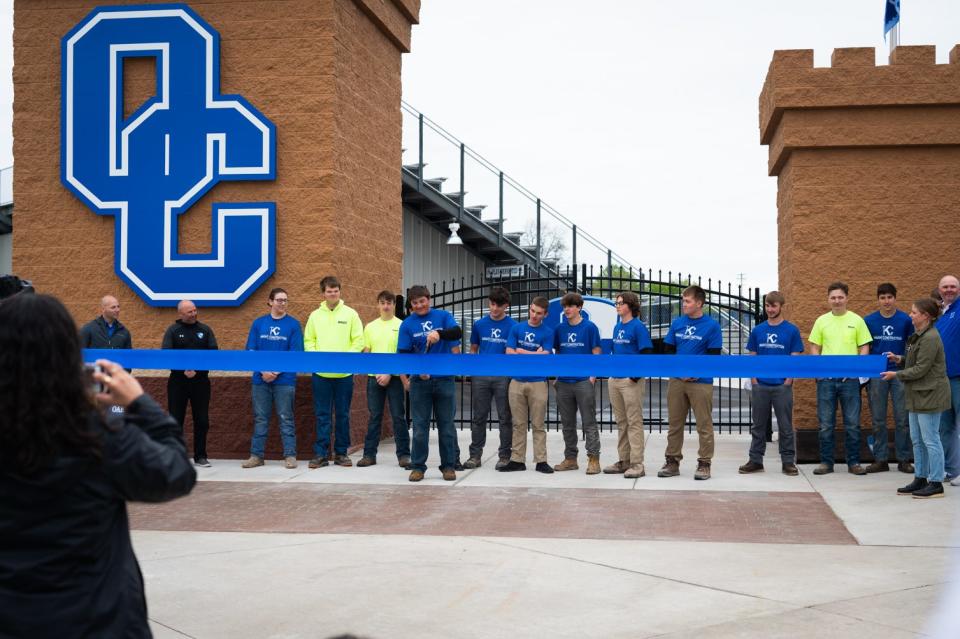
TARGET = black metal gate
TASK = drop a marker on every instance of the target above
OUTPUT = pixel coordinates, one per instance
(737, 310)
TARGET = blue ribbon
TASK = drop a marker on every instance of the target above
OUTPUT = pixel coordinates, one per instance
(507, 365)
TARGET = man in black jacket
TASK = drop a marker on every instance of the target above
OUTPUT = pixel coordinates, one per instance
(106, 331)
(189, 385)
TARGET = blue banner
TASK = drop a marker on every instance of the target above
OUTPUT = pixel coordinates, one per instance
(510, 365)
(891, 16)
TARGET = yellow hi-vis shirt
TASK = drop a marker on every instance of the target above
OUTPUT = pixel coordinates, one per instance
(840, 334)
(381, 336)
(336, 331)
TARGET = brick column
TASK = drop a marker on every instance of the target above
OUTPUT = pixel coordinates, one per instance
(327, 73)
(867, 160)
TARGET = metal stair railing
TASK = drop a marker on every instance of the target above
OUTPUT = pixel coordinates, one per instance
(530, 222)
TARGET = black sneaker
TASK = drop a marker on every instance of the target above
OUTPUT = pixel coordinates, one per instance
(912, 487)
(931, 490)
(544, 467)
(202, 461)
(751, 467)
(512, 466)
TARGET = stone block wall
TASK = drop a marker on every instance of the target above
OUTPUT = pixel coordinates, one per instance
(867, 160)
(327, 73)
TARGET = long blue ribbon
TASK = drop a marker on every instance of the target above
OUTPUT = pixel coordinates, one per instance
(506, 365)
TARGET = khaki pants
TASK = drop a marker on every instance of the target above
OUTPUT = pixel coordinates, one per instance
(528, 400)
(626, 398)
(681, 397)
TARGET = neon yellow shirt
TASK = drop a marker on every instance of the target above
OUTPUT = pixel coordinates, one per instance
(840, 334)
(381, 336)
(336, 331)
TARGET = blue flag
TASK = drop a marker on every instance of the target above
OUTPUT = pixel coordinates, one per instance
(891, 16)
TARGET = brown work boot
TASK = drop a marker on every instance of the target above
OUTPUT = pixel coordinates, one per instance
(703, 470)
(318, 462)
(823, 469)
(790, 469)
(856, 469)
(906, 467)
(671, 468)
(404, 462)
(751, 467)
(473, 462)
(569, 463)
(593, 464)
(416, 475)
(366, 461)
(634, 472)
(342, 460)
(878, 467)
(616, 469)
(253, 462)
(449, 474)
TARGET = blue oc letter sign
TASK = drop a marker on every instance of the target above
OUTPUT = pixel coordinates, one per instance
(149, 168)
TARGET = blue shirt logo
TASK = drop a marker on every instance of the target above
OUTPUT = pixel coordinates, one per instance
(147, 169)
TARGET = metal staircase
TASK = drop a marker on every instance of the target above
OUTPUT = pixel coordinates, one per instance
(517, 231)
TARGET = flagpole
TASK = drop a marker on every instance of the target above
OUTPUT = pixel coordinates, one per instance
(894, 37)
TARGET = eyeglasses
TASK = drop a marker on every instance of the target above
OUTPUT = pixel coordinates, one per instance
(619, 303)
(280, 300)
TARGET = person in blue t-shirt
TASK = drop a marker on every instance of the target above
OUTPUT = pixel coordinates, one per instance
(890, 327)
(693, 333)
(528, 395)
(275, 331)
(489, 337)
(949, 328)
(776, 336)
(630, 337)
(428, 332)
(577, 336)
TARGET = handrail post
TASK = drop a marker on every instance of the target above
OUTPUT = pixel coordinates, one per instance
(538, 235)
(574, 247)
(463, 191)
(610, 271)
(420, 157)
(500, 226)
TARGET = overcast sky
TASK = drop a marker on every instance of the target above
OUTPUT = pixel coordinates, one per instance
(636, 120)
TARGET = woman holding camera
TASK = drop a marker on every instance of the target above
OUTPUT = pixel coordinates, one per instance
(927, 391)
(67, 567)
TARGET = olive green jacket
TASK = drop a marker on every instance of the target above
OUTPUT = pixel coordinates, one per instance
(924, 374)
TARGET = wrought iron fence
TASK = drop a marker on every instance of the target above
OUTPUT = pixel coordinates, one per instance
(735, 308)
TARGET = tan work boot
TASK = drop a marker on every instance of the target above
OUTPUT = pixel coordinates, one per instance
(290, 462)
(253, 462)
(616, 469)
(634, 472)
(449, 474)
(416, 475)
(703, 470)
(593, 464)
(671, 468)
(569, 463)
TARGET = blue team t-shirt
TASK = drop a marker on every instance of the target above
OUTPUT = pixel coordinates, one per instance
(782, 339)
(889, 334)
(630, 338)
(268, 334)
(530, 338)
(491, 335)
(414, 330)
(695, 337)
(575, 340)
(949, 328)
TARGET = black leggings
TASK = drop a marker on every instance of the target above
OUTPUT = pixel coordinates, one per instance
(181, 390)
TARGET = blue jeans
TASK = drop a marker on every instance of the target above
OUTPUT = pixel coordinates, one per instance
(846, 392)
(392, 393)
(265, 397)
(436, 397)
(879, 390)
(334, 393)
(948, 431)
(927, 451)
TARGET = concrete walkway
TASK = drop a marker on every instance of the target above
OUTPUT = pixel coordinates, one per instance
(621, 576)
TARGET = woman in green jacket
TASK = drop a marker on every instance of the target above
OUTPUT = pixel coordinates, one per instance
(927, 390)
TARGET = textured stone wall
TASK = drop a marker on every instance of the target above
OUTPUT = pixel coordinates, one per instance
(327, 73)
(867, 160)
